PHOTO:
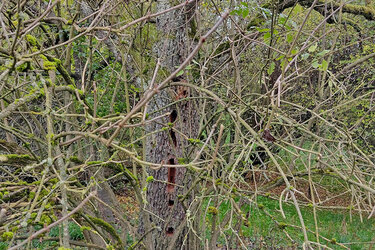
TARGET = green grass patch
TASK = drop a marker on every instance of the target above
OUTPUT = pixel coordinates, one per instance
(336, 226)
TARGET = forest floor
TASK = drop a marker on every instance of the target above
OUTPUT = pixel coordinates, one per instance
(325, 194)
(324, 197)
(336, 222)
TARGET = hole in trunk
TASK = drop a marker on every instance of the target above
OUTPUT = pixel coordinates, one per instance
(170, 231)
(171, 176)
(173, 136)
(173, 116)
(170, 203)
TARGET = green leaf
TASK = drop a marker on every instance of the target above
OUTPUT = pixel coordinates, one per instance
(266, 36)
(315, 64)
(234, 12)
(150, 179)
(298, 9)
(313, 48)
(245, 13)
(322, 53)
(324, 65)
(289, 38)
(279, 58)
(271, 68)
(245, 4)
(282, 20)
(263, 30)
(180, 73)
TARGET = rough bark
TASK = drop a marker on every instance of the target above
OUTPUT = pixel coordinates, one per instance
(169, 146)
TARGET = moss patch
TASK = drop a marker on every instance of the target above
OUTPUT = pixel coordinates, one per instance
(15, 158)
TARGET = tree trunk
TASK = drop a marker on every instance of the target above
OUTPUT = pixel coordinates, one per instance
(168, 146)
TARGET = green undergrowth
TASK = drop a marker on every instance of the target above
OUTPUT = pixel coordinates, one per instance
(262, 230)
(75, 233)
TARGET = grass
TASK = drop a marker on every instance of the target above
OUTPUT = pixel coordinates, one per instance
(336, 226)
(75, 233)
(333, 225)
(263, 232)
